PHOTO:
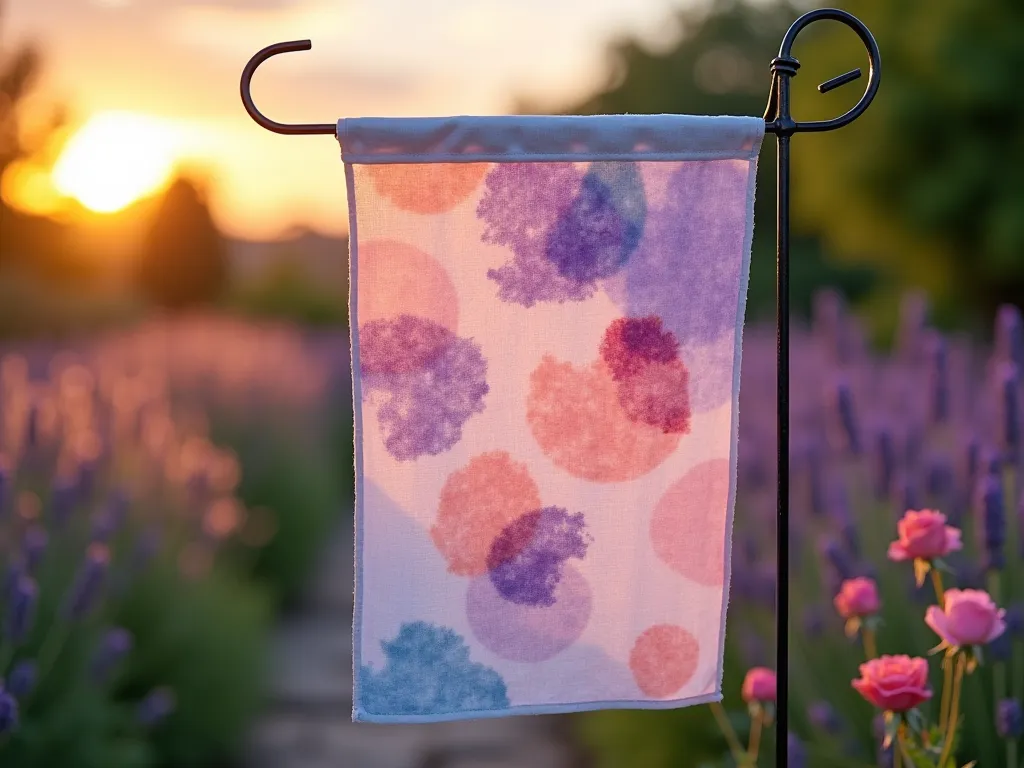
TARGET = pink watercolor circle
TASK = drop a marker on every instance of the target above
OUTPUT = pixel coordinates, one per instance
(688, 525)
(477, 503)
(664, 659)
(577, 418)
(396, 279)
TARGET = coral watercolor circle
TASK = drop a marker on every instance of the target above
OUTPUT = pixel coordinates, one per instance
(477, 503)
(696, 502)
(664, 659)
(578, 421)
(529, 633)
(427, 187)
(396, 278)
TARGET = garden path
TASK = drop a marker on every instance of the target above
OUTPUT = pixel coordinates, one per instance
(307, 722)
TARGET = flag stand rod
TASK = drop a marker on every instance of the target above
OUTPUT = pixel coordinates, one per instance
(779, 120)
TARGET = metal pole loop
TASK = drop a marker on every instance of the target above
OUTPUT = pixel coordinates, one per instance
(778, 119)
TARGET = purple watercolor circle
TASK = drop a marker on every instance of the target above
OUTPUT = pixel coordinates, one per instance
(432, 382)
(528, 557)
(686, 269)
(529, 633)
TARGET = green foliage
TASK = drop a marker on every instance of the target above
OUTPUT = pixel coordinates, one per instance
(31, 308)
(290, 471)
(184, 257)
(206, 641)
(285, 292)
(921, 187)
(720, 66)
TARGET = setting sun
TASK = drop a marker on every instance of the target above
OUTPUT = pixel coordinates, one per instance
(115, 159)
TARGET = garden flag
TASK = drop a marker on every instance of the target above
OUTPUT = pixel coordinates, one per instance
(546, 325)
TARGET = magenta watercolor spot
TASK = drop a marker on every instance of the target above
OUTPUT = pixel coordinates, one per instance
(431, 382)
(658, 395)
(632, 343)
(401, 345)
(528, 633)
(528, 557)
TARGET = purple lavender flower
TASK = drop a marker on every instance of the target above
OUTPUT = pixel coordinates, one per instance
(913, 444)
(910, 495)
(22, 680)
(1010, 335)
(839, 511)
(1009, 719)
(156, 707)
(848, 417)
(62, 500)
(939, 482)
(886, 755)
(86, 481)
(1009, 409)
(972, 461)
(816, 481)
(885, 463)
(839, 559)
(1001, 648)
(990, 516)
(33, 546)
(15, 571)
(86, 590)
(21, 610)
(113, 647)
(824, 717)
(8, 712)
(938, 390)
(797, 751)
(1015, 621)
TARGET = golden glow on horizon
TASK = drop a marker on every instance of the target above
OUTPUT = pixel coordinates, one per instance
(116, 159)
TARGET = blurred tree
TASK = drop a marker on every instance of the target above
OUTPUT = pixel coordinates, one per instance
(28, 242)
(184, 257)
(18, 74)
(926, 186)
(719, 66)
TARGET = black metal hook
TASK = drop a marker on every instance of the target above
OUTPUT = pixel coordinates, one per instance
(300, 129)
(777, 116)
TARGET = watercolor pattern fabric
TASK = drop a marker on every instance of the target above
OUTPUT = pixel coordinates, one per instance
(546, 348)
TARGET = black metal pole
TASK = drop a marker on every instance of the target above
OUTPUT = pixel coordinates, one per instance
(779, 120)
(782, 493)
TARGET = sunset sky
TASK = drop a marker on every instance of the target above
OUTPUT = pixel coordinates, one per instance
(176, 63)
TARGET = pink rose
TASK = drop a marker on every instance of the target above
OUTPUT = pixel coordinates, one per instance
(894, 683)
(925, 535)
(857, 598)
(968, 617)
(759, 685)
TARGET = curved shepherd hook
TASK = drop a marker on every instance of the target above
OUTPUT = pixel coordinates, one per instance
(779, 120)
(250, 107)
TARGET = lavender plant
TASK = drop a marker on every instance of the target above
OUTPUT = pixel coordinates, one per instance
(115, 508)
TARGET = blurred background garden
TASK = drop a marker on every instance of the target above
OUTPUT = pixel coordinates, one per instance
(175, 404)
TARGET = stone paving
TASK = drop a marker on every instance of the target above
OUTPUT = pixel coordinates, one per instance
(307, 723)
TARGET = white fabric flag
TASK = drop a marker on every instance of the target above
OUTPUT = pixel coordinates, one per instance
(546, 327)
